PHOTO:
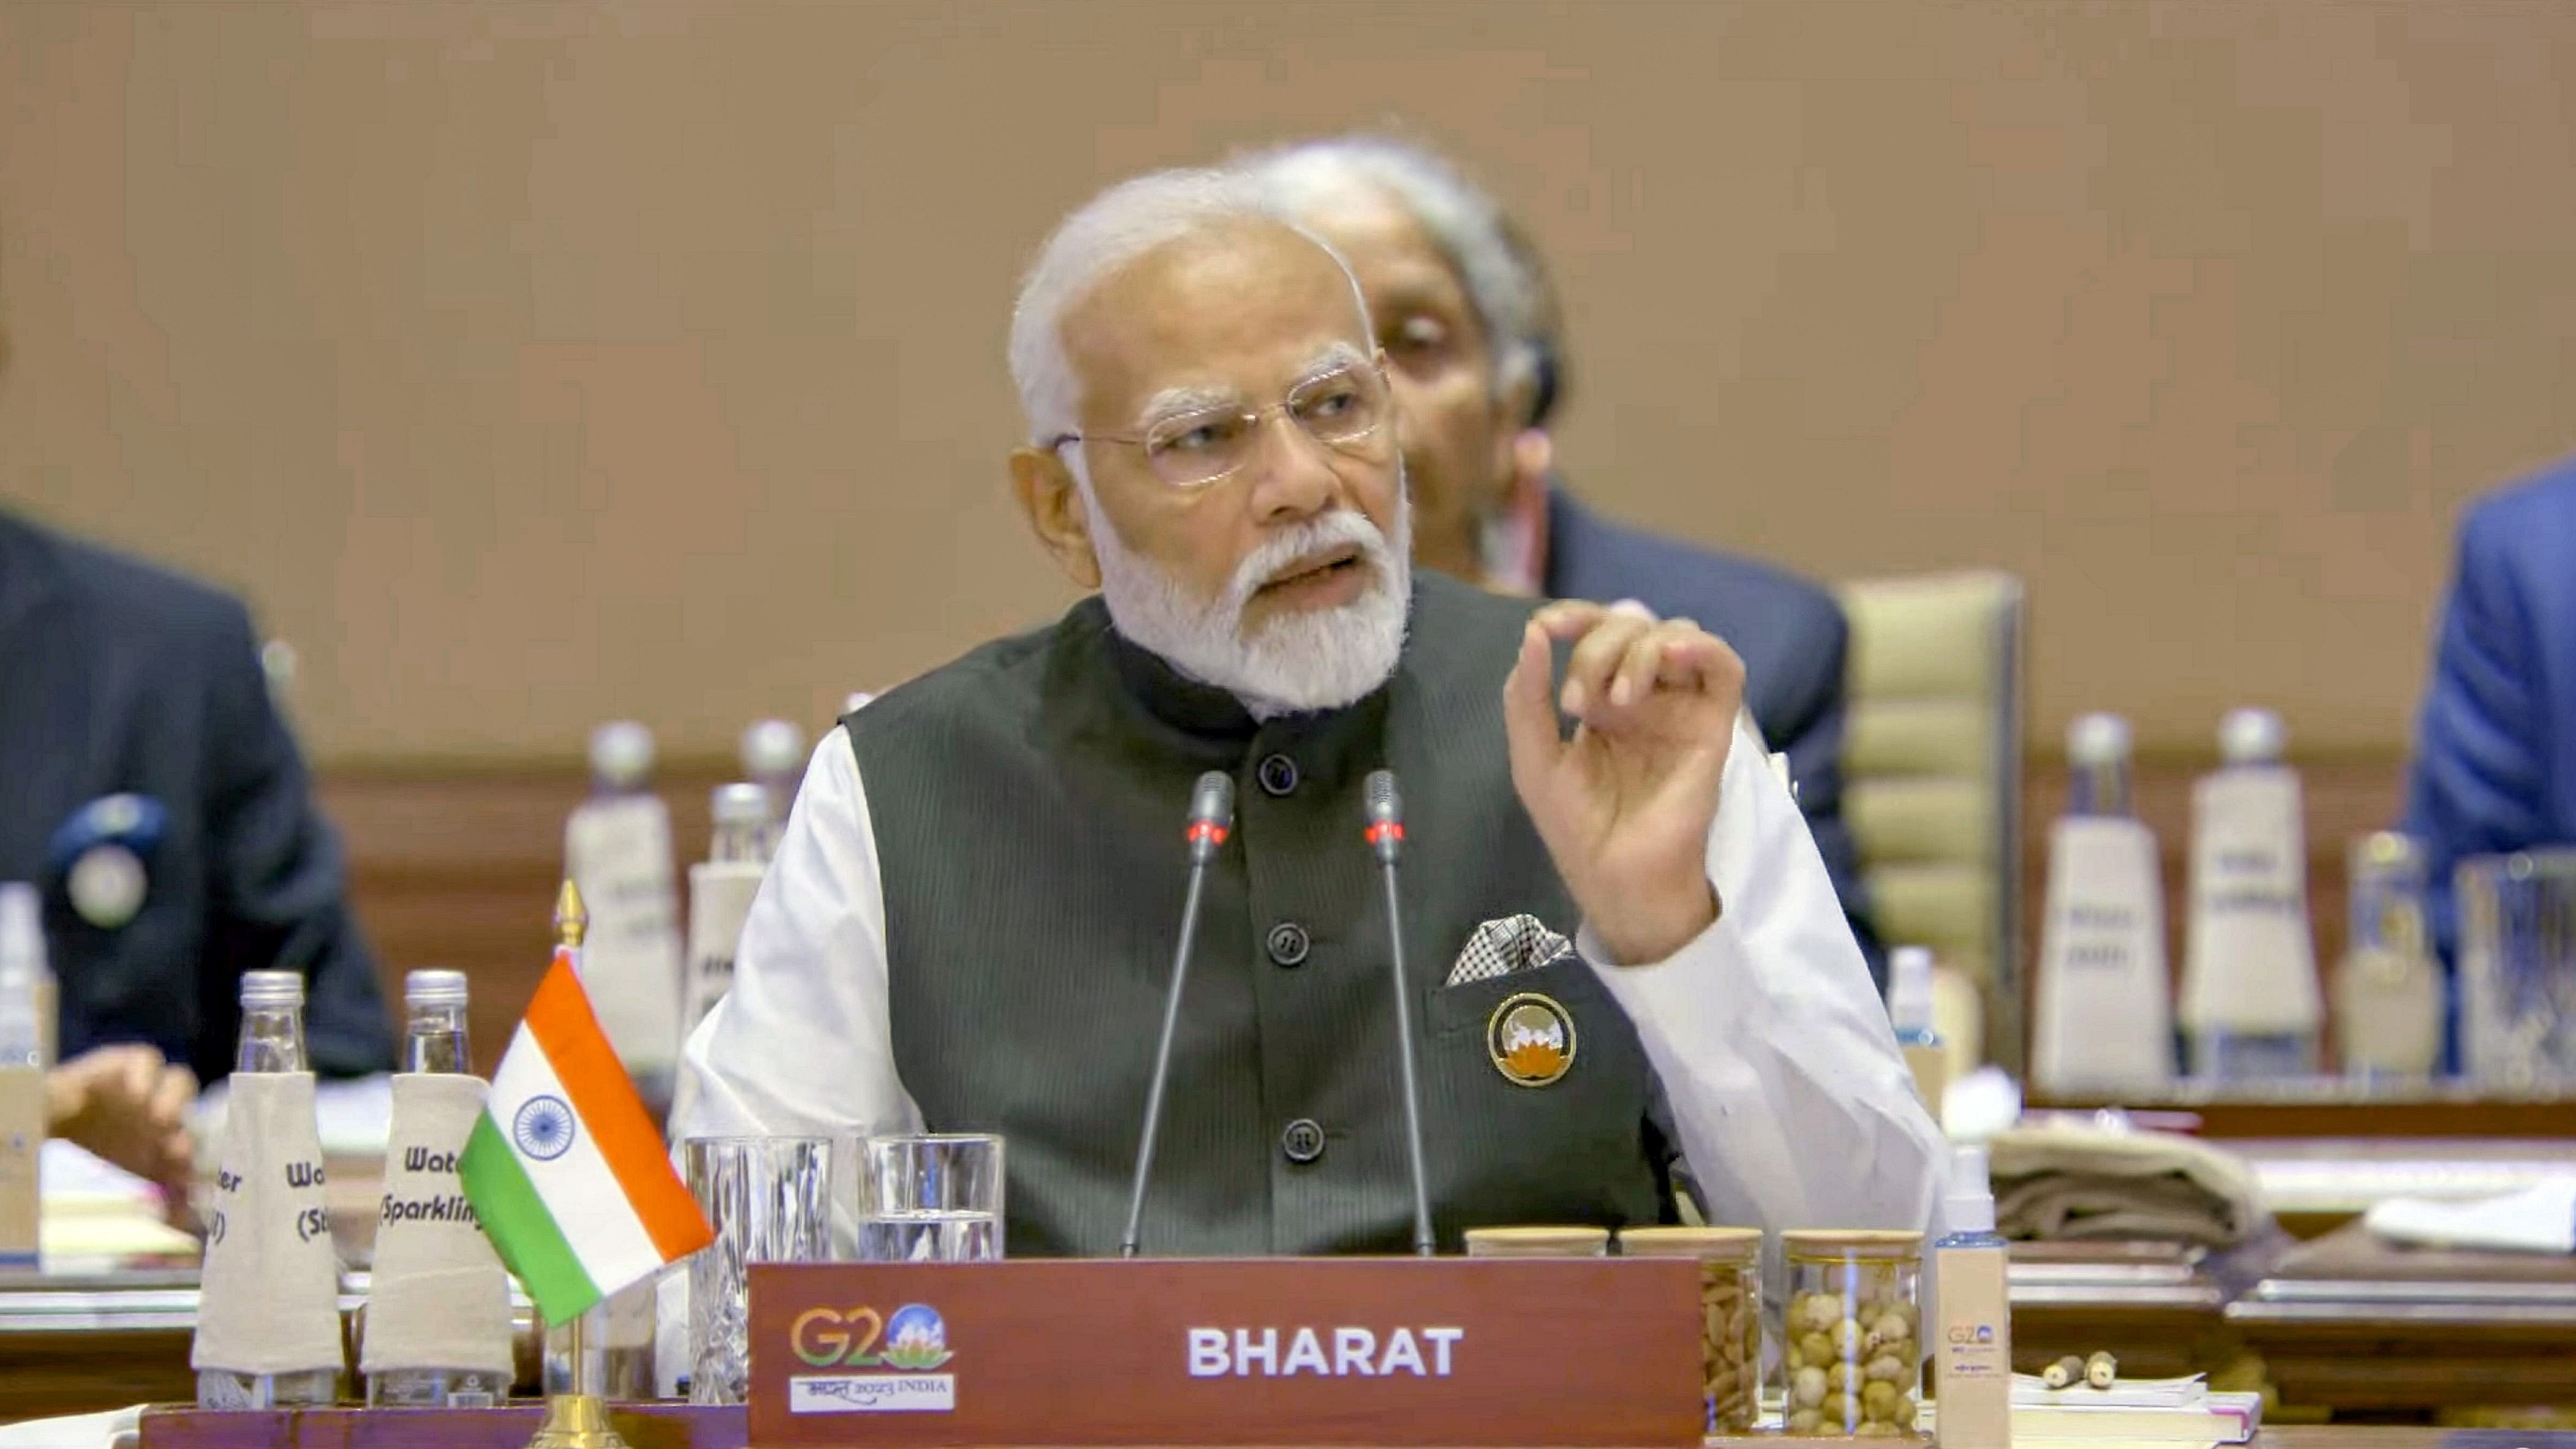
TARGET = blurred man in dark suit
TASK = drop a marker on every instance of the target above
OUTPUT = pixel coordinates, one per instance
(151, 792)
(1470, 329)
(2495, 745)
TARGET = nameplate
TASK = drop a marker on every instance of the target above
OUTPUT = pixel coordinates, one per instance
(1507, 1353)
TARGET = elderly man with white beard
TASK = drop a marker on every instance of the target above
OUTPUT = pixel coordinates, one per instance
(969, 923)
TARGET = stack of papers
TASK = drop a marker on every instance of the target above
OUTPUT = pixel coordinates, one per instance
(2155, 1411)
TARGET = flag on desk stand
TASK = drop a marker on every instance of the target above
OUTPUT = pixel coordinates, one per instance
(565, 1169)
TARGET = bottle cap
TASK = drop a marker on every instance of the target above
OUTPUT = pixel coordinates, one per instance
(2251, 737)
(2097, 739)
(1970, 1204)
(2386, 851)
(1909, 988)
(271, 990)
(22, 929)
(434, 988)
(857, 701)
(740, 804)
(621, 753)
(771, 748)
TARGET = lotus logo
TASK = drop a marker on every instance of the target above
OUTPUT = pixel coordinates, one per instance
(1531, 1040)
(916, 1339)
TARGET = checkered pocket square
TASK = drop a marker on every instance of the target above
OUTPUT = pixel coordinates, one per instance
(1507, 947)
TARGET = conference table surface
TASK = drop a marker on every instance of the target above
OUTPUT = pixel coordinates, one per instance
(677, 1426)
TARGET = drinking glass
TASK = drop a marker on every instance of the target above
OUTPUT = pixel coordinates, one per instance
(930, 1198)
(770, 1201)
(2518, 969)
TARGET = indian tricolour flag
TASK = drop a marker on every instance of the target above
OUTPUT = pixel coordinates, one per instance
(566, 1170)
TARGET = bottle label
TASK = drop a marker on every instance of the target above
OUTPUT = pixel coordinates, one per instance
(619, 851)
(439, 1299)
(2251, 965)
(270, 1294)
(2101, 1013)
(22, 1147)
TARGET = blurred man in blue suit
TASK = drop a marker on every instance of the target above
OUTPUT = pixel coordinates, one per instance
(1470, 330)
(154, 796)
(2495, 746)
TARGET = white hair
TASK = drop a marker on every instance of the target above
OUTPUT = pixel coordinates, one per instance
(1466, 224)
(1111, 230)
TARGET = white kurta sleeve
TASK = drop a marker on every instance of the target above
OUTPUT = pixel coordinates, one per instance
(800, 1044)
(1793, 1103)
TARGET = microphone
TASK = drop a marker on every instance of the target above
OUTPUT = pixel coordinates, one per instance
(1386, 836)
(1211, 817)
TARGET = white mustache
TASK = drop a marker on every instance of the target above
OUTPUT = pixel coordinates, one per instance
(1301, 542)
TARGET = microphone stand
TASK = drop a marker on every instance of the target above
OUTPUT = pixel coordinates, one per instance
(1211, 810)
(1386, 833)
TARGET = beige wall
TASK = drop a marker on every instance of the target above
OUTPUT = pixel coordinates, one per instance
(533, 363)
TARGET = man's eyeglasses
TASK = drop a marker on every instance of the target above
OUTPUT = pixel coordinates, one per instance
(1343, 408)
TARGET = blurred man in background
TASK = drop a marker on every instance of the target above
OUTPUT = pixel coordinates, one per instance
(1464, 313)
(2495, 746)
(152, 793)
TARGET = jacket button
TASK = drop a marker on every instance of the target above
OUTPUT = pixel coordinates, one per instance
(1287, 944)
(1303, 1142)
(1277, 773)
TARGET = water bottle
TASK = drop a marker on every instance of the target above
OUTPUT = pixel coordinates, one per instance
(2097, 747)
(2388, 995)
(2252, 1009)
(22, 978)
(22, 961)
(773, 753)
(23, 1009)
(271, 1040)
(1909, 1011)
(434, 1041)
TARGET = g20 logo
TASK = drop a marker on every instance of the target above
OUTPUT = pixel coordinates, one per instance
(915, 1339)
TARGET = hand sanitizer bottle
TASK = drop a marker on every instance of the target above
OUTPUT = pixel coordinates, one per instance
(1972, 1351)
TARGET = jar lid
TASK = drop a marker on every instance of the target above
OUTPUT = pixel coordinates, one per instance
(1852, 1243)
(1678, 1242)
(1537, 1242)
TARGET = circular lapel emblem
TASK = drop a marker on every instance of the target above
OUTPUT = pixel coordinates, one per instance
(107, 886)
(1531, 1040)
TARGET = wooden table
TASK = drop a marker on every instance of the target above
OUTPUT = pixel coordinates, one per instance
(676, 1426)
(2353, 1324)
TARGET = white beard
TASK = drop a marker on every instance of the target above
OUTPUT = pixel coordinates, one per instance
(1298, 662)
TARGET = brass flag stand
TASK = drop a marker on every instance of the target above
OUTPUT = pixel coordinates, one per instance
(578, 1417)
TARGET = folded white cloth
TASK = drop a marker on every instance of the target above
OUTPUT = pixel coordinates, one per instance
(2539, 1219)
(111, 1430)
(2058, 1179)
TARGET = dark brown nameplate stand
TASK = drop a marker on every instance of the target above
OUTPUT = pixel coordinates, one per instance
(1584, 1353)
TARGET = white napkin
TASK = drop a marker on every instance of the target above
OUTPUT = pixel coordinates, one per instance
(2539, 1219)
(110, 1430)
(439, 1296)
(270, 1298)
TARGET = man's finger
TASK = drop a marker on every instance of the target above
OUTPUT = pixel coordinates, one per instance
(1649, 662)
(1595, 660)
(1529, 721)
(1568, 618)
(170, 1098)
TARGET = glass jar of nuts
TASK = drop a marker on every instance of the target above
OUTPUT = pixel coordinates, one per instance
(1730, 1298)
(1852, 1345)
